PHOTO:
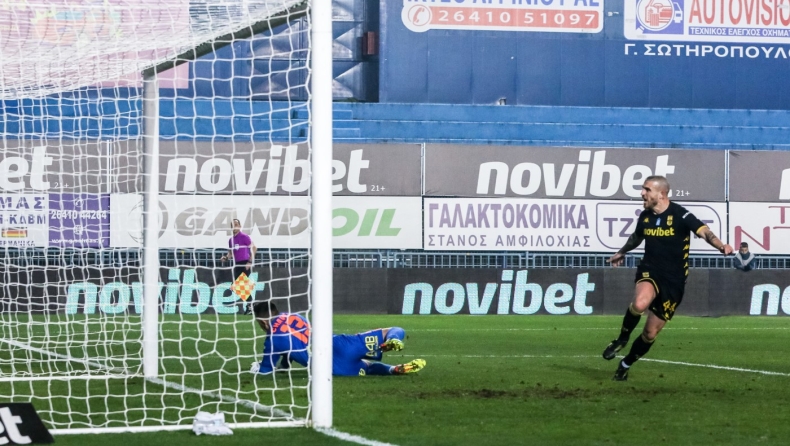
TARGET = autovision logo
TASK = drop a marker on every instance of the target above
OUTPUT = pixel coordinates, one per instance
(660, 16)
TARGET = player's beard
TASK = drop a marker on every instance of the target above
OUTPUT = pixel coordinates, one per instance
(648, 203)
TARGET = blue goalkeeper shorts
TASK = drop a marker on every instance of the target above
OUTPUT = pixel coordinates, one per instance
(350, 350)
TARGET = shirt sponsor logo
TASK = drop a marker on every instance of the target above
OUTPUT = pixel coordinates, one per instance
(659, 232)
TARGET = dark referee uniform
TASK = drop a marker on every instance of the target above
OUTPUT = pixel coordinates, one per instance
(665, 263)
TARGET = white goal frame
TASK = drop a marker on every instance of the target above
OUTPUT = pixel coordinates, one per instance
(321, 255)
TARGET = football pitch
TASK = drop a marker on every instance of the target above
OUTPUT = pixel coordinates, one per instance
(540, 380)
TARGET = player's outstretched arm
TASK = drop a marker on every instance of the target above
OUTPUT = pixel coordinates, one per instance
(632, 243)
(270, 358)
(714, 241)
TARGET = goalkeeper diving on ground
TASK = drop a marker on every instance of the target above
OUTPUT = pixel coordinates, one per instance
(288, 336)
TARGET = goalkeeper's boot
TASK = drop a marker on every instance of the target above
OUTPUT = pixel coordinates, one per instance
(410, 367)
(392, 345)
(621, 374)
(615, 346)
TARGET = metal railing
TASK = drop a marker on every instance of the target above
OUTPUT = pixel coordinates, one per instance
(207, 258)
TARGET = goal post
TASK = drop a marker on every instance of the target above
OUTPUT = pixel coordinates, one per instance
(150, 316)
(322, 212)
(134, 134)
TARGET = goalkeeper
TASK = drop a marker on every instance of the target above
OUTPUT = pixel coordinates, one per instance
(357, 354)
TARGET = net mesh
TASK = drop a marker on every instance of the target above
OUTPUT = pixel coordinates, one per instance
(233, 145)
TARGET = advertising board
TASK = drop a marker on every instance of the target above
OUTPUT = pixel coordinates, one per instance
(522, 224)
(204, 221)
(565, 172)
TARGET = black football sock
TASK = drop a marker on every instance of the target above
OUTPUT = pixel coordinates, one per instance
(630, 321)
(639, 348)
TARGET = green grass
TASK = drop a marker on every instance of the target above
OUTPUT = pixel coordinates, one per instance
(516, 380)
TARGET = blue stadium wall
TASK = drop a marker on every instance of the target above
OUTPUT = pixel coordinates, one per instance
(267, 66)
(448, 66)
(577, 69)
(560, 89)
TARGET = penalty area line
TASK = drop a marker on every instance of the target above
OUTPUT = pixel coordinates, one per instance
(351, 438)
(717, 367)
(417, 355)
(591, 329)
(662, 361)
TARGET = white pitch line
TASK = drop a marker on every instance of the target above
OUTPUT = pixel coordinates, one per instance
(417, 355)
(193, 331)
(663, 361)
(117, 371)
(589, 328)
(718, 367)
(61, 378)
(351, 438)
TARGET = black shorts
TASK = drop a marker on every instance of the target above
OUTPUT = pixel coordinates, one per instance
(669, 293)
(238, 269)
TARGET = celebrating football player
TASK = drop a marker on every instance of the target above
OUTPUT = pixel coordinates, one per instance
(666, 228)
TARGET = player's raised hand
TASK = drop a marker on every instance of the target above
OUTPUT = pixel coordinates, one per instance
(617, 259)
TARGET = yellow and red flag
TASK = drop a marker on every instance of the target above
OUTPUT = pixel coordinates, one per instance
(243, 287)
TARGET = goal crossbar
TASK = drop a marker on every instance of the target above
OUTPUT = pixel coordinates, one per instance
(294, 13)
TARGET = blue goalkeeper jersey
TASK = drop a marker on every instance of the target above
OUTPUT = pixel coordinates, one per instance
(289, 335)
(349, 352)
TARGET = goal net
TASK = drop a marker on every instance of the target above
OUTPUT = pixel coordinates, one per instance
(134, 133)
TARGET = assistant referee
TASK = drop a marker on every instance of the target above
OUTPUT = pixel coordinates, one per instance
(666, 229)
